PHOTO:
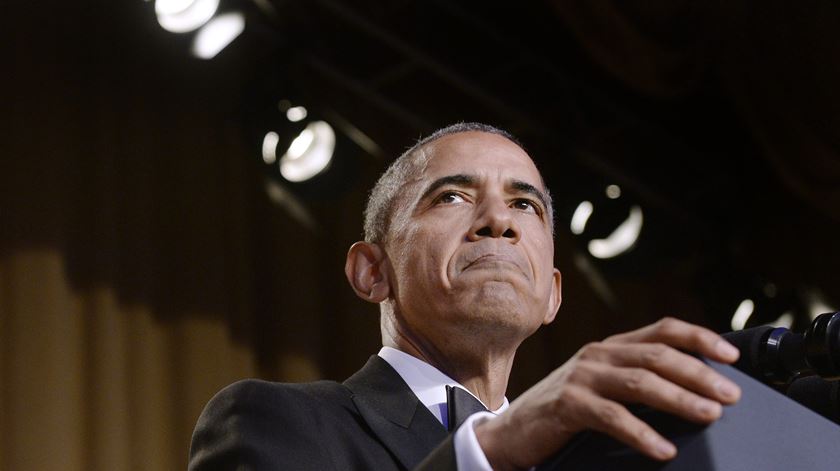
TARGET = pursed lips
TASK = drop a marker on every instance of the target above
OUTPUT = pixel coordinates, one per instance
(490, 260)
(493, 260)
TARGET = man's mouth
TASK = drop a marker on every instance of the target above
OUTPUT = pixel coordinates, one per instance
(491, 261)
(495, 262)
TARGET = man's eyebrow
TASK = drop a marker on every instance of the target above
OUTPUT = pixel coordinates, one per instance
(460, 179)
(525, 187)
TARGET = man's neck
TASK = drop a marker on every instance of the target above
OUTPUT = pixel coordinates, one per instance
(485, 374)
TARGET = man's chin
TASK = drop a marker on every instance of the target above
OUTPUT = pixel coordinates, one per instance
(498, 292)
(499, 308)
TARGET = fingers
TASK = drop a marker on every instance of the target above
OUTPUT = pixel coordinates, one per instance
(615, 420)
(637, 385)
(668, 363)
(645, 366)
(681, 334)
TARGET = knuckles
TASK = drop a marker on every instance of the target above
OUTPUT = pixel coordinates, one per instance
(592, 351)
(667, 326)
(582, 372)
(637, 380)
(656, 355)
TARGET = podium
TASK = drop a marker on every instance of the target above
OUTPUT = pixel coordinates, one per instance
(764, 431)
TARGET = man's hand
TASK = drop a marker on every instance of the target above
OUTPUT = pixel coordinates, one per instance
(644, 366)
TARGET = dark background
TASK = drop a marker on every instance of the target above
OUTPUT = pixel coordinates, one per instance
(138, 167)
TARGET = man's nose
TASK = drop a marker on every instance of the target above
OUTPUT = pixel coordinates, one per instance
(494, 219)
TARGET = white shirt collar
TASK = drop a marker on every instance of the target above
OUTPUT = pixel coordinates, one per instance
(427, 382)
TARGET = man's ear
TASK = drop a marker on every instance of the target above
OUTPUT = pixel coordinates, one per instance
(556, 297)
(365, 270)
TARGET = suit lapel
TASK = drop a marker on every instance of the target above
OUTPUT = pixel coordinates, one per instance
(394, 413)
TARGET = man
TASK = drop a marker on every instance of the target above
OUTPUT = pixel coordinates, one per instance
(458, 253)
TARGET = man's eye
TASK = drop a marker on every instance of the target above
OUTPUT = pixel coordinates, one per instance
(450, 197)
(525, 205)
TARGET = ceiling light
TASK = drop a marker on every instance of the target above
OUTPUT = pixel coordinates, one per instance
(217, 34)
(622, 239)
(310, 152)
(742, 314)
(183, 16)
(296, 113)
(579, 218)
(269, 147)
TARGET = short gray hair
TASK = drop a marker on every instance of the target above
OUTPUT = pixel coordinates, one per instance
(380, 204)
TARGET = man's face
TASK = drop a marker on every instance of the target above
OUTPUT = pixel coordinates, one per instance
(470, 245)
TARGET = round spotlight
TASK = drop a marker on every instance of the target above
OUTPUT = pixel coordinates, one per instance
(183, 16)
(310, 152)
(269, 147)
(742, 314)
(296, 113)
(579, 218)
(217, 34)
(622, 239)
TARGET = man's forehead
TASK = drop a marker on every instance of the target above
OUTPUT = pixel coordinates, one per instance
(479, 154)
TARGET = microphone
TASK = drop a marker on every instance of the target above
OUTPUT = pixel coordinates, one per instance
(778, 356)
(822, 345)
(817, 394)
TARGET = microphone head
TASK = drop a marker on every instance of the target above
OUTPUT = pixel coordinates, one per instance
(773, 355)
(822, 345)
(750, 342)
(817, 394)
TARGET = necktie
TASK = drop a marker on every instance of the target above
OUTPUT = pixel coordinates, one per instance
(459, 405)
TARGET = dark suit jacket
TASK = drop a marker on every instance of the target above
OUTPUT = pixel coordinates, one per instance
(370, 422)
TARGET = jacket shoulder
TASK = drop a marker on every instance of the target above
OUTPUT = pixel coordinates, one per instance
(262, 394)
(266, 425)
